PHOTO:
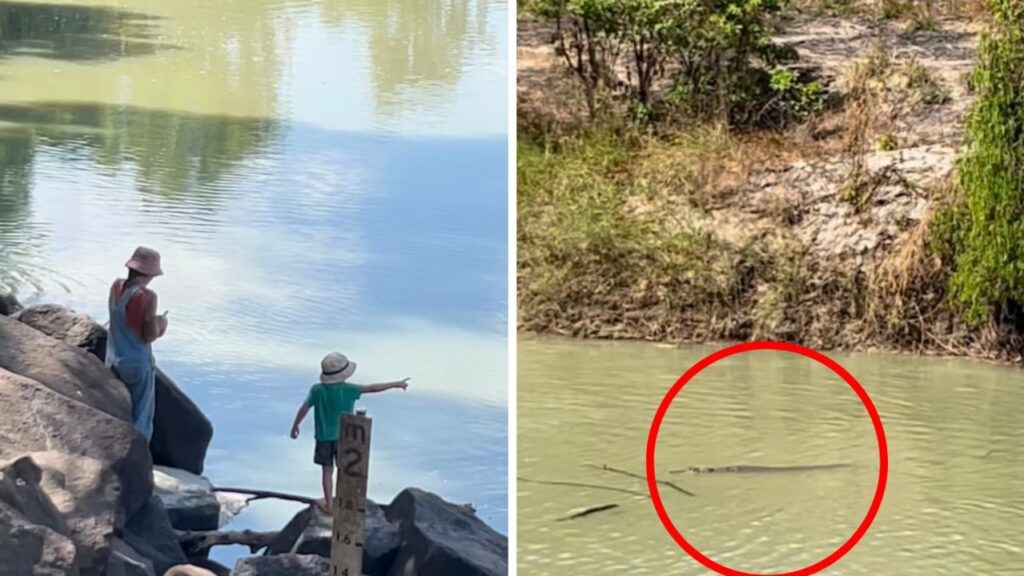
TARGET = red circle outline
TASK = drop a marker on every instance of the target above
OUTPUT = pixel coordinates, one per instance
(876, 421)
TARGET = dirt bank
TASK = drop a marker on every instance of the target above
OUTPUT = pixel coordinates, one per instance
(819, 235)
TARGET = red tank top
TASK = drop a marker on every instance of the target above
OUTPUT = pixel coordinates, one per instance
(135, 311)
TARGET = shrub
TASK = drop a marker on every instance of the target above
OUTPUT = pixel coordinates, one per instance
(715, 56)
(986, 232)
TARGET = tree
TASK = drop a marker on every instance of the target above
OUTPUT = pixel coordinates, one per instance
(713, 52)
(988, 230)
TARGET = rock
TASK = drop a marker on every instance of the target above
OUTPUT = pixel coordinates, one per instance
(30, 549)
(190, 570)
(204, 567)
(309, 532)
(181, 432)
(125, 561)
(307, 525)
(381, 540)
(46, 420)
(231, 505)
(282, 565)
(87, 494)
(20, 489)
(8, 304)
(188, 498)
(68, 326)
(150, 533)
(35, 538)
(443, 538)
(63, 369)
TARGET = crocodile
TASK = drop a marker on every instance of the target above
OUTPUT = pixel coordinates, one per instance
(751, 469)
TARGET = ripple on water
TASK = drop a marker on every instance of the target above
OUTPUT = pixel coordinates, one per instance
(949, 507)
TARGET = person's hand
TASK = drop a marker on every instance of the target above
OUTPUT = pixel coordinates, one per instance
(295, 432)
(403, 384)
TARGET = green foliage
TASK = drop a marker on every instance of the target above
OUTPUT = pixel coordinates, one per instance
(888, 143)
(922, 23)
(925, 86)
(796, 97)
(714, 54)
(985, 233)
(893, 9)
(837, 7)
(585, 246)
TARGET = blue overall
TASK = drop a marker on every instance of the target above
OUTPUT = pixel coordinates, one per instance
(131, 359)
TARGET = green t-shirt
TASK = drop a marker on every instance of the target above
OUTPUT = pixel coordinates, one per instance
(329, 402)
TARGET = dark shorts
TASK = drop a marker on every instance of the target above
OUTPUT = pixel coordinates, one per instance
(325, 453)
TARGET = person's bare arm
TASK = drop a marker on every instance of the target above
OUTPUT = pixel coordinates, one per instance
(299, 416)
(154, 326)
(372, 388)
(110, 300)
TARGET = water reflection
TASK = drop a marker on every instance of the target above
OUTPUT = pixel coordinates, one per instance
(18, 238)
(303, 200)
(435, 66)
(69, 32)
(16, 147)
(178, 157)
(418, 43)
(403, 67)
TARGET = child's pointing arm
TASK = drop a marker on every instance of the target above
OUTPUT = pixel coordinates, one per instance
(370, 389)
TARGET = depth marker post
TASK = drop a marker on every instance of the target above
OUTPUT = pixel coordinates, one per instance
(350, 495)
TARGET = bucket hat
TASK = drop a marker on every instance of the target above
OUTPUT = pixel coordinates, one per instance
(145, 261)
(336, 367)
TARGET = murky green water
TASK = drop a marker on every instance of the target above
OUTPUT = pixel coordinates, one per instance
(953, 505)
(318, 175)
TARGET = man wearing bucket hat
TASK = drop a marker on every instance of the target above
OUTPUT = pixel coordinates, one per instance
(134, 326)
(329, 399)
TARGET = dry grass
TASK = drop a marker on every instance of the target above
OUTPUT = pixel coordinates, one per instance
(668, 237)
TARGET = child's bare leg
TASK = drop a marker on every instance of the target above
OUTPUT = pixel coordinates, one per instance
(328, 481)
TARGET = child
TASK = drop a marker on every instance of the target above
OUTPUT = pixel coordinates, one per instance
(331, 398)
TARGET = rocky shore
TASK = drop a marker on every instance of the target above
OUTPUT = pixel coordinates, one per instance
(81, 494)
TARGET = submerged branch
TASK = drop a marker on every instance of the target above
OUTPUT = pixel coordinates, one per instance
(198, 542)
(588, 512)
(583, 485)
(668, 483)
(262, 494)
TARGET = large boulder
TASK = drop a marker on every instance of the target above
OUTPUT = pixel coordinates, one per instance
(63, 369)
(189, 499)
(189, 570)
(307, 527)
(8, 304)
(87, 494)
(282, 565)
(181, 432)
(68, 326)
(381, 541)
(202, 567)
(35, 538)
(309, 532)
(44, 420)
(125, 561)
(439, 537)
(149, 532)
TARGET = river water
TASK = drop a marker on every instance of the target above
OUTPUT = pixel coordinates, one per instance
(954, 503)
(318, 175)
